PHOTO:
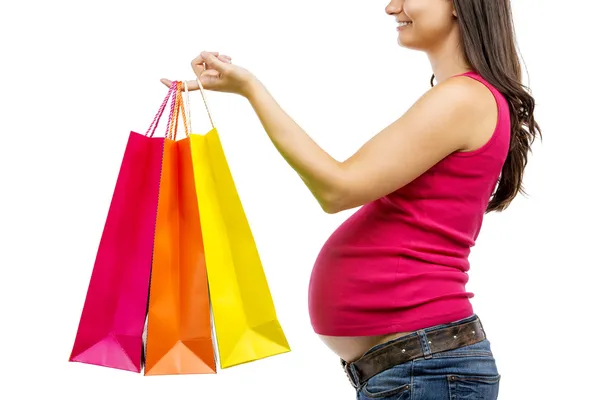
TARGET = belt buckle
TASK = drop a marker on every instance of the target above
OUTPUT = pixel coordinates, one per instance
(351, 377)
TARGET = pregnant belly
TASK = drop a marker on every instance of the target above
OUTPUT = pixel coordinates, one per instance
(350, 348)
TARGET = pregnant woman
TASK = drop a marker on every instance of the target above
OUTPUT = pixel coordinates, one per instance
(387, 292)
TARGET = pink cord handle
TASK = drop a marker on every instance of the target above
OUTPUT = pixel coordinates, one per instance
(173, 100)
(159, 114)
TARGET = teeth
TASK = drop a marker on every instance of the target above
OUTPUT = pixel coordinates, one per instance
(404, 23)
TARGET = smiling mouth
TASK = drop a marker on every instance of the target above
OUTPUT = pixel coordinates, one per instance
(402, 24)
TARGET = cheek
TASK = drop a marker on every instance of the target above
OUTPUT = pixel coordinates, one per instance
(430, 15)
(414, 9)
(431, 22)
(431, 26)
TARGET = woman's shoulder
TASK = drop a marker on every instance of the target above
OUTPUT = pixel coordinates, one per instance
(462, 98)
(470, 105)
(469, 89)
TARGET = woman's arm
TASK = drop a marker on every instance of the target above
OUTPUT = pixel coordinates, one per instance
(319, 171)
(448, 118)
(438, 124)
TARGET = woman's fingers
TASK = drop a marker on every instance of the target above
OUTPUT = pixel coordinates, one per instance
(192, 85)
(166, 82)
(200, 69)
(198, 63)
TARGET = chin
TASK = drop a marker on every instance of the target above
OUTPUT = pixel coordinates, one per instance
(408, 44)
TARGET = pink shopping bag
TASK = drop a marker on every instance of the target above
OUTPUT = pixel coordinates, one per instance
(114, 313)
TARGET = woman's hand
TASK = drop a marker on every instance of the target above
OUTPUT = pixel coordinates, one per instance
(216, 72)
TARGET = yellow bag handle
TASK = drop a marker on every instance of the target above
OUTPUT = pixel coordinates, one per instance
(187, 104)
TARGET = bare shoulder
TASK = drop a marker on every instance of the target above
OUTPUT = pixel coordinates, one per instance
(462, 94)
(471, 109)
(456, 115)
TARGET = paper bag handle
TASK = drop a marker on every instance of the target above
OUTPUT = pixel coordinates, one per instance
(159, 114)
(187, 103)
(174, 121)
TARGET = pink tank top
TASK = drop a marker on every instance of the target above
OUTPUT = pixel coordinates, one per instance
(400, 263)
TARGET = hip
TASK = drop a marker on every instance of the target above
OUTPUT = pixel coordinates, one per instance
(450, 361)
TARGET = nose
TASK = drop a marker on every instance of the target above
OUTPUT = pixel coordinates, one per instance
(394, 7)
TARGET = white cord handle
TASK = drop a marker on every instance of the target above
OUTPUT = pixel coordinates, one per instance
(187, 104)
(186, 99)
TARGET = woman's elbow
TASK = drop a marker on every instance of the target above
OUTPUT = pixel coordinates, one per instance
(338, 195)
(334, 202)
(331, 208)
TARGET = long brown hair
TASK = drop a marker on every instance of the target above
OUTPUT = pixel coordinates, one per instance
(488, 42)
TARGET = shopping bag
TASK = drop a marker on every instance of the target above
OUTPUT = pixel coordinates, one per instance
(114, 311)
(246, 323)
(179, 337)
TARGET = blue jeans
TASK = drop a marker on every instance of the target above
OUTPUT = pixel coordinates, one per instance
(468, 372)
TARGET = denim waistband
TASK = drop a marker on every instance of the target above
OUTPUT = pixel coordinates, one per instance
(422, 333)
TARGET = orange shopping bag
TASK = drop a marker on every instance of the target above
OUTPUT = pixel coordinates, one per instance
(179, 324)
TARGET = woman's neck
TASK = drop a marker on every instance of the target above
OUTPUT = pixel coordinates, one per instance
(448, 59)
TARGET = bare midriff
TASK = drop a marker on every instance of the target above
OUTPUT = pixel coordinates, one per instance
(351, 348)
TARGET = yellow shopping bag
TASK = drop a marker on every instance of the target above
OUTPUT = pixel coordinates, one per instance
(246, 324)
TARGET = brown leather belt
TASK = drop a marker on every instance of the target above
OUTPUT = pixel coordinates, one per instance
(408, 348)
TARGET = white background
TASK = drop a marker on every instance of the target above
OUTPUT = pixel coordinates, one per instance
(78, 76)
